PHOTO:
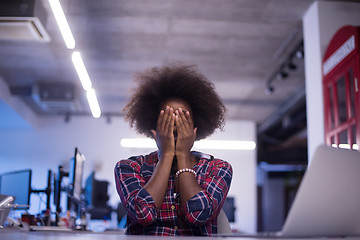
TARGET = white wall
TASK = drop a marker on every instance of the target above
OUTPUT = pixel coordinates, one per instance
(53, 143)
(320, 23)
(243, 186)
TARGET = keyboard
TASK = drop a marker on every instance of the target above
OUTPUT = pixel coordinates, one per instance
(50, 228)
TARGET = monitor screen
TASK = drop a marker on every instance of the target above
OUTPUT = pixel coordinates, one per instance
(96, 192)
(96, 197)
(76, 173)
(89, 185)
(17, 184)
(229, 208)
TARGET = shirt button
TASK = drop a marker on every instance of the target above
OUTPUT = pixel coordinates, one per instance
(172, 207)
(176, 227)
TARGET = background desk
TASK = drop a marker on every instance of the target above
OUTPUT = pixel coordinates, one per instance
(12, 234)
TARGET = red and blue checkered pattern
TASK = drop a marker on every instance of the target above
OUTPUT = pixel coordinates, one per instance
(198, 216)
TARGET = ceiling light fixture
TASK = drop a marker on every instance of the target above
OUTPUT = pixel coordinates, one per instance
(81, 71)
(225, 145)
(288, 64)
(76, 58)
(93, 103)
(202, 144)
(138, 143)
(282, 75)
(62, 23)
(291, 66)
(269, 89)
(300, 53)
(86, 83)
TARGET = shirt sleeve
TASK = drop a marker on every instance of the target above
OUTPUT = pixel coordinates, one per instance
(206, 204)
(134, 197)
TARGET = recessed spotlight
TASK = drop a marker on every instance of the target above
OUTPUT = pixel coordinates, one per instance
(300, 53)
(282, 75)
(269, 90)
(292, 66)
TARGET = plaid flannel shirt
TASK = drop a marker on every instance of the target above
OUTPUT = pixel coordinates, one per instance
(198, 216)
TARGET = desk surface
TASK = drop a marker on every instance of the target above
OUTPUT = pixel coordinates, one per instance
(6, 234)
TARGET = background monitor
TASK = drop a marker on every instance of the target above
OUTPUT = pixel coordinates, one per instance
(229, 208)
(96, 192)
(96, 198)
(89, 186)
(76, 174)
(17, 184)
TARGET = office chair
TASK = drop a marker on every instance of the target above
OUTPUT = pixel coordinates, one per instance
(223, 224)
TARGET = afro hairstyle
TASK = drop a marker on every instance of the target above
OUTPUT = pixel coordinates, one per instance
(156, 85)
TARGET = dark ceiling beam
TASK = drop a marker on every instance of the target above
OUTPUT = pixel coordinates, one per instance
(254, 102)
(297, 98)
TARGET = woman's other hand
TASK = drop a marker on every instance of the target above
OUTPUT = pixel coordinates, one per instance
(186, 133)
(164, 135)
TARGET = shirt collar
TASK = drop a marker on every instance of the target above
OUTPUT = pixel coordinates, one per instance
(201, 155)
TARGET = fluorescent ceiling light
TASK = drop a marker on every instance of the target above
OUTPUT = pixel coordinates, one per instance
(138, 143)
(346, 146)
(93, 103)
(225, 144)
(81, 71)
(62, 23)
(202, 144)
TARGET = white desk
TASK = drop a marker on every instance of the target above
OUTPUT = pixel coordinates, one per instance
(6, 234)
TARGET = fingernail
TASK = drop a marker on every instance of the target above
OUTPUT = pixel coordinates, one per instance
(180, 109)
(162, 111)
(167, 107)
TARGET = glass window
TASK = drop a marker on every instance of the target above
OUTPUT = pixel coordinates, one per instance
(352, 92)
(343, 137)
(332, 139)
(332, 109)
(353, 136)
(341, 95)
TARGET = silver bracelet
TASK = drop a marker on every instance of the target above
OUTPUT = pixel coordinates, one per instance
(185, 170)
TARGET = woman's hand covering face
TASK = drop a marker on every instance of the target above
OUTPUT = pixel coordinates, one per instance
(164, 135)
(172, 123)
(186, 133)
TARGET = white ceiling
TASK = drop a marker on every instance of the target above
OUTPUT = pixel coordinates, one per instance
(238, 44)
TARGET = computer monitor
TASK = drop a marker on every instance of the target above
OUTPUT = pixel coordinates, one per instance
(17, 184)
(76, 174)
(96, 192)
(89, 189)
(96, 197)
(229, 208)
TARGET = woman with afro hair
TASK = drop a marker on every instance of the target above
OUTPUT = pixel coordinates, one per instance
(173, 191)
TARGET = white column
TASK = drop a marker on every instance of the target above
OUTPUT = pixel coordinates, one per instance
(320, 22)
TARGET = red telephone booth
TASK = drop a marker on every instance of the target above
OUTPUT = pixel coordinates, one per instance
(341, 69)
